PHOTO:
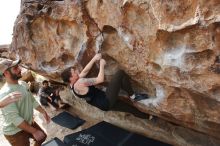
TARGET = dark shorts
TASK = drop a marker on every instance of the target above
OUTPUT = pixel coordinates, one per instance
(44, 101)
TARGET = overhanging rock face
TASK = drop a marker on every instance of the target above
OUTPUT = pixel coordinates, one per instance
(169, 48)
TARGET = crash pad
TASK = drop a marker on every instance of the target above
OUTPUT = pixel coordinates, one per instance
(67, 120)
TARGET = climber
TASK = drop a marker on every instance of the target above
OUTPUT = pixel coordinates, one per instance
(85, 87)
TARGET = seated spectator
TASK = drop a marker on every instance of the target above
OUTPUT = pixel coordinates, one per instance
(49, 96)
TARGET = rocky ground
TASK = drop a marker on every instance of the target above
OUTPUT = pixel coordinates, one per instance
(132, 120)
(52, 129)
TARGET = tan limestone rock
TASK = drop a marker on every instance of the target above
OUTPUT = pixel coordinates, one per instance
(169, 48)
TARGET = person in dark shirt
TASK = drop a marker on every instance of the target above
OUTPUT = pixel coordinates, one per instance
(49, 96)
(85, 87)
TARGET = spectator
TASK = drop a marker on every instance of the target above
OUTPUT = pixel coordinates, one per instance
(49, 96)
(18, 124)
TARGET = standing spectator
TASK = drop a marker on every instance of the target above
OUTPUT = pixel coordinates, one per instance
(18, 124)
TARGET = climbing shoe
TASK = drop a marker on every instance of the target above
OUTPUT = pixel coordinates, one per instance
(141, 96)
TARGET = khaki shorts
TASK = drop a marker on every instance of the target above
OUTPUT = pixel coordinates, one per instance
(22, 138)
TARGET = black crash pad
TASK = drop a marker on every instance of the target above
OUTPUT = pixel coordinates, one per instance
(109, 132)
(85, 138)
(106, 134)
(54, 142)
(67, 120)
(139, 140)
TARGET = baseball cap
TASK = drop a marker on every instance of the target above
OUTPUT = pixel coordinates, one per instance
(7, 63)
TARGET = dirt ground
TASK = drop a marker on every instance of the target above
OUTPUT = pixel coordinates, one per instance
(52, 129)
